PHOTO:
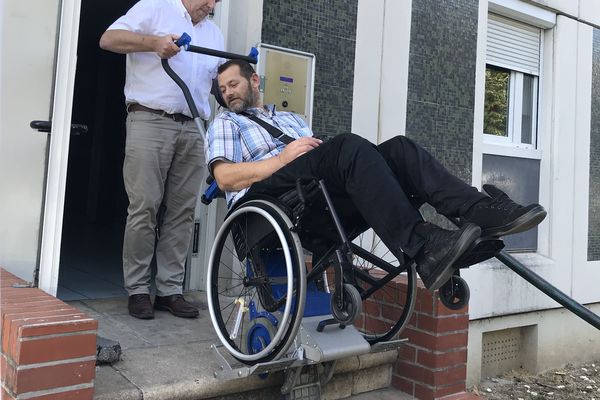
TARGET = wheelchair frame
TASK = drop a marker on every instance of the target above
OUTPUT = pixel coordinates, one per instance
(345, 302)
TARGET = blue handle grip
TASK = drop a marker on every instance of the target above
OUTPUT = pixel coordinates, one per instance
(253, 53)
(184, 40)
(212, 190)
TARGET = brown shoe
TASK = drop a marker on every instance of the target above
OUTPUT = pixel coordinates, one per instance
(177, 305)
(140, 306)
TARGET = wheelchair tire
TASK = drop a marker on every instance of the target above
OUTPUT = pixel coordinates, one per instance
(239, 287)
(386, 305)
(455, 293)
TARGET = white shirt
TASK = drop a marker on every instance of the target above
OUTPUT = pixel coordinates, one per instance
(146, 82)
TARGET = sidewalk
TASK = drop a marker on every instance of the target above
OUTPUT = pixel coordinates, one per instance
(170, 358)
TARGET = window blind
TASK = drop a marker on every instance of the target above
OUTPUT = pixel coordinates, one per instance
(513, 45)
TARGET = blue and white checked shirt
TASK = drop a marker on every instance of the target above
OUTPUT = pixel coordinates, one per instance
(236, 138)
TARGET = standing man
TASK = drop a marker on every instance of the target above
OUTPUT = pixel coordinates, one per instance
(164, 160)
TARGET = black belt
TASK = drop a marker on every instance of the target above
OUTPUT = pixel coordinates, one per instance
(175, 117)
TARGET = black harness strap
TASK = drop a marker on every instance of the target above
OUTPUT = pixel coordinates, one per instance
(273, 131)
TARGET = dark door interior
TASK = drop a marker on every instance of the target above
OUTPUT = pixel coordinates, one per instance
(95, 201)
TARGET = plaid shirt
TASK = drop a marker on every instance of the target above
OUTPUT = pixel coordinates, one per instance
(236, 138)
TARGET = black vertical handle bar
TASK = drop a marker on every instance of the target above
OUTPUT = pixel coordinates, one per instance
(184, 88)
(549, 289)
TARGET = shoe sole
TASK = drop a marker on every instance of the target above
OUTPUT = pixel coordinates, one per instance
(140, 316)
(482, 249)
(175, 313)
(470, 233)
(525, 222)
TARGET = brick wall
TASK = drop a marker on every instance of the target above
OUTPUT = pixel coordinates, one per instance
(48, 347)
(433, 363)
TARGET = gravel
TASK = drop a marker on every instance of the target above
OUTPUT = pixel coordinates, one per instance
(572, 382)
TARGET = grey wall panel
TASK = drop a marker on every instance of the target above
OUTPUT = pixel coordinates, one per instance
(520, 179)
(326, 28)
(594, 203)
(441, 80)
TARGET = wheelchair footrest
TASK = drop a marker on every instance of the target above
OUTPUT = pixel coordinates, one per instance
(483, 249)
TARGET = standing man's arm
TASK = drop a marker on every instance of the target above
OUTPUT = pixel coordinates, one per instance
(123, 41)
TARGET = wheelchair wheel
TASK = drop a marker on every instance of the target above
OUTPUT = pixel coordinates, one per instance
(256, 269)
(388, 289)
(455, 293)
(351, 308)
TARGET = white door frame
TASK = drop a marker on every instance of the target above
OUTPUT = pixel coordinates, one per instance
(54, 201)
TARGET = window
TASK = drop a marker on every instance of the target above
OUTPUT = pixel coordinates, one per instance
(510, 110)
(511, 83)
(511, 158)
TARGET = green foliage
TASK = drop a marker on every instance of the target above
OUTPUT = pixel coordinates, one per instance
(495, 120)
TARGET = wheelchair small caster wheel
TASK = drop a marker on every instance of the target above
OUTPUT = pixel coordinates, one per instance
(455, 293)
(350, 309)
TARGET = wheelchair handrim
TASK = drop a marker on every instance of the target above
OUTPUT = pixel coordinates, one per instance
(289, 292)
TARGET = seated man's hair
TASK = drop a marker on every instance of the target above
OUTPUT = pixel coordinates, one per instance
(246, 69)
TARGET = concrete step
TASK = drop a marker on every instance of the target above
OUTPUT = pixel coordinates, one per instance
(170, 358)
(183, 372)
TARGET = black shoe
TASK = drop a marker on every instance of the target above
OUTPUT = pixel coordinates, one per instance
(500, 216)
(177, 305)
(442, 248)
(140, 306)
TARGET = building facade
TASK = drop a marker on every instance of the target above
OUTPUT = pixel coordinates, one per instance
(500, 91)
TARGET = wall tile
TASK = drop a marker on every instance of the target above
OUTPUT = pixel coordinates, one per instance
(594, 205)
(441, 80)
(326, 28)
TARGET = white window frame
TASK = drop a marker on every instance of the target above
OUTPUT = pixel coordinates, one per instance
(511, 145)
(515, 107)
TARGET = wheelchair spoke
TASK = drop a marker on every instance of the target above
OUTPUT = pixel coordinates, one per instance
(379, 278)
(230, 269)
(228, 289)
(230, 313)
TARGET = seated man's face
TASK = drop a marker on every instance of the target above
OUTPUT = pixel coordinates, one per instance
(236, 90)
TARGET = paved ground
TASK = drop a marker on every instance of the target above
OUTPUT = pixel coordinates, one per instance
(170, 357)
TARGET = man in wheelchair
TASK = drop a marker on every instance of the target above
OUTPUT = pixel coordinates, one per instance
(382, 185)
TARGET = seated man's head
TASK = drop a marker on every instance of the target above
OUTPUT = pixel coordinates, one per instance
(239, 85)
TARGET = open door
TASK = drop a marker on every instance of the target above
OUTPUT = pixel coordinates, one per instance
(38, 42)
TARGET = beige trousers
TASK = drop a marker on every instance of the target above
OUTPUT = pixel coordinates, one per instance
(164, 162)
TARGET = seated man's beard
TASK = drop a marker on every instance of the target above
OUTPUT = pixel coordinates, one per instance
(247, 101)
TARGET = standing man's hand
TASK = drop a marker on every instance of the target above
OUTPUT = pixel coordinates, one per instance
(165, 46)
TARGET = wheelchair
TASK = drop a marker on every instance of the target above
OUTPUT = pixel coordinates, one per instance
(259, 288)
(278, 260)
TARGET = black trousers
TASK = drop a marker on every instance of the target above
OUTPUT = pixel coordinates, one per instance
(385, 184)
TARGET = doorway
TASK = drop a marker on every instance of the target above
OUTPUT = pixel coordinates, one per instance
(96, 203)
(95, 198)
